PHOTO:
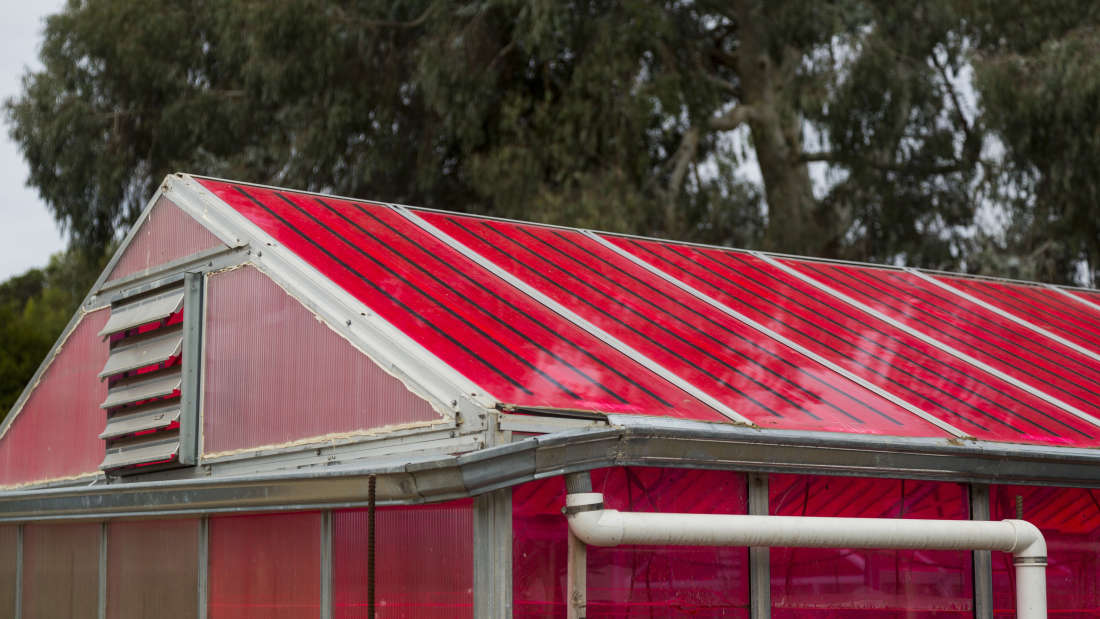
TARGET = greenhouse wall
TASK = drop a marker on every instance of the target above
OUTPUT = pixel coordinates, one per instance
(9, 552)
(842, 583)
(153, 569)
(61, 570)
(424, 560)
(1070, 521)
(55, 435)
(275, 374)
(166, 235)
(631, 581)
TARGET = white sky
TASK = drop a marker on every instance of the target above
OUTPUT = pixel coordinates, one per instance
(28, 234)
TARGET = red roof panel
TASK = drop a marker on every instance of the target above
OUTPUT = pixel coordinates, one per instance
(516, 349)
(1051, 310)
(1012, 349)
(759, 377)
(925, 376)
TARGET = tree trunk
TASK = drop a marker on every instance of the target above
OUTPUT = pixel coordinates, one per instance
(793, 225)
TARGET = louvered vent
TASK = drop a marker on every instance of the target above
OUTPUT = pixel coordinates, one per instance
(145, 404)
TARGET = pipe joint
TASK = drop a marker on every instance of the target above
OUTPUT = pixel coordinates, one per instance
(1029, 541)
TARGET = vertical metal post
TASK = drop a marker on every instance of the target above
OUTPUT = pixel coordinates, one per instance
(983, 562)
(370, 547)
(760, 584)
(190, 396)
(326, 564)
(204, 565)
(493, 555)
(19, 573)
(103, 570)
(577, 578)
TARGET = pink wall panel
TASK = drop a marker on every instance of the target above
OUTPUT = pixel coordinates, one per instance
(61, 571)
(56, 434)
(265, 566)
(152, 569)
(9, 540)
(1070, 521)
(167, 234)
(631, 581)
(424, 562)
(842, 583)
(275, 374)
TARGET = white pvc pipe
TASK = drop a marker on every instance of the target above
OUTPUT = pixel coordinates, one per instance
(596, 526)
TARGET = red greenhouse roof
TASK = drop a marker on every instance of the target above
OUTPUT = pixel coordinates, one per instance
(547, 317)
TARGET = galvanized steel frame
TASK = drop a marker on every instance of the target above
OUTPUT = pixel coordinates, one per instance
(983, 561)
(493, 554)
(194, 313)
(628, 441)
(760, 571)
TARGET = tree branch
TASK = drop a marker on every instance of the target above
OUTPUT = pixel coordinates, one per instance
(685, 154)
(888, 167)
(732, 119)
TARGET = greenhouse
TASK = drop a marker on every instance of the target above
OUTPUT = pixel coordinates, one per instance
(276, 403)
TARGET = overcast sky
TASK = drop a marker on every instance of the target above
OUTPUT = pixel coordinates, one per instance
(28, 234)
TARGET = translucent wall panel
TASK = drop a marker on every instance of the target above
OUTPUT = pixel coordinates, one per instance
(152, 569)
(518, 350)
(265, 566)
(1070, 521)
(841, 583)
(61, 571)
(56, 433)
(9, 540)
(424, 562)
(166, 235)
(631, 581)
(275, 374)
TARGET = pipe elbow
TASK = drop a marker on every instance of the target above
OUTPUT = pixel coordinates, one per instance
(1030, 543)
(597, 528)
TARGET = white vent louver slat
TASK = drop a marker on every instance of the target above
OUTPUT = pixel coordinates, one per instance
(144, 376)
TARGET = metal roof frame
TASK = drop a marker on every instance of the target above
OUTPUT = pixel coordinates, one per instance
(628, 441)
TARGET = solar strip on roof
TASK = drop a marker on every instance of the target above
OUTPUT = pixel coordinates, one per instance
(1064, 376)
(1041, 306)
(1088, 297)
(518, 350)
(919, 373)
(762, 379)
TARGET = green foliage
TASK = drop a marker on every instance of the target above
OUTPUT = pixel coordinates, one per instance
(631, 116)
(34, 309)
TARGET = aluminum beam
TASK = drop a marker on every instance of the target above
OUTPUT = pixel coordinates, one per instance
(493, 555)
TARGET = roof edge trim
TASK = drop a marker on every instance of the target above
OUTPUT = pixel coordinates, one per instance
(631, 441)
(396, 353)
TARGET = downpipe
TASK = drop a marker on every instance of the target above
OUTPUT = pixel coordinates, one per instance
(593, 525)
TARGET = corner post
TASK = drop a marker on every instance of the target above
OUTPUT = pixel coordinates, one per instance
(983, 562)
(760, 584)
(493, 555)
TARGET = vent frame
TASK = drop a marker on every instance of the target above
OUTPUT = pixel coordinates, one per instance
(166, 379)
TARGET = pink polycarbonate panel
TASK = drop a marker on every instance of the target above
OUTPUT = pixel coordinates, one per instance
(56, 433)
(515, 348)
(631, 581)
(1040, 306)
(1011, 348)
(424, 559)
(846, 583)
(1070, 521)
(152, 569)
(925, 376)
(167, 234)
(9, 540)
(61, 570)
(759, 377)
(265, 566)
(276, 374)
(1089, 297)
